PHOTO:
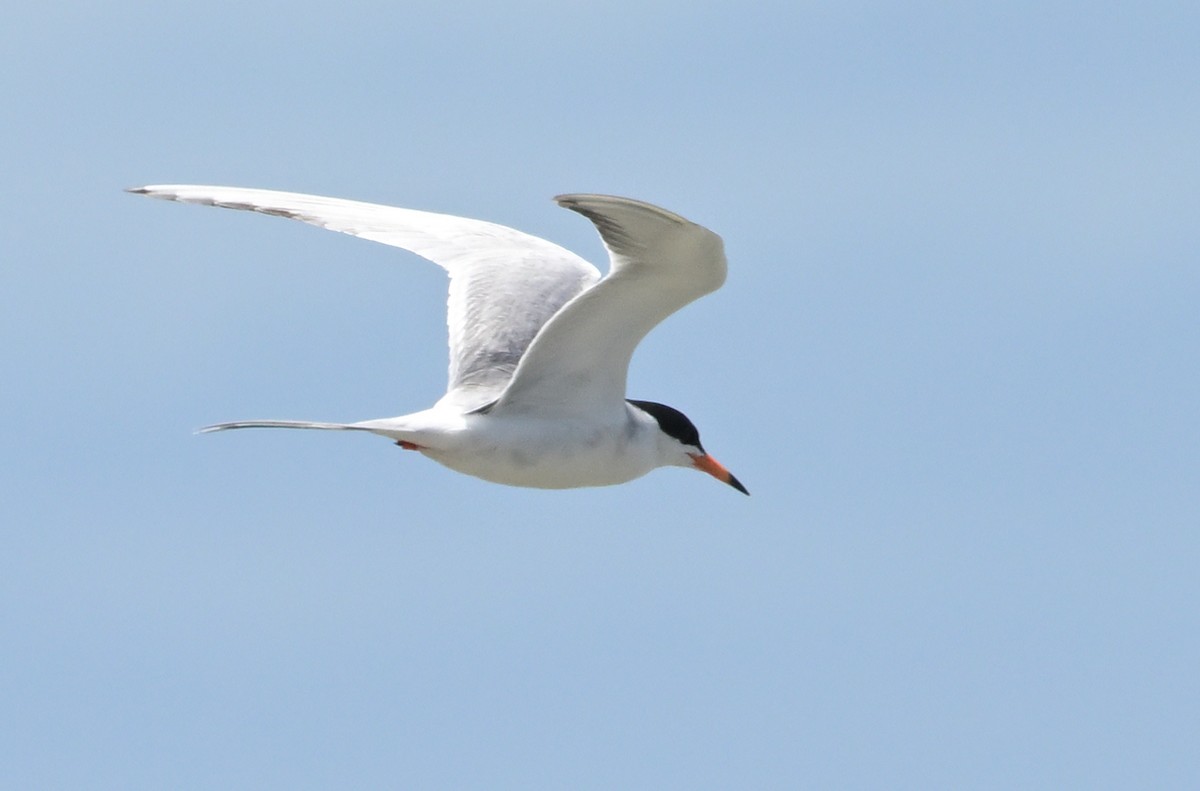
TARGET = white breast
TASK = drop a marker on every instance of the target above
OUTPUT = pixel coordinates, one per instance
(550, 454)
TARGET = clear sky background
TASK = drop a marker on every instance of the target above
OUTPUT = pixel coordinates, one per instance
(955, 362)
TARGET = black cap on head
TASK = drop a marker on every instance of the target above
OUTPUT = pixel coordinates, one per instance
(672, 422)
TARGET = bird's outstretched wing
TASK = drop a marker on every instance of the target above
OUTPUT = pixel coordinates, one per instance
(504, 284)
(577, 364)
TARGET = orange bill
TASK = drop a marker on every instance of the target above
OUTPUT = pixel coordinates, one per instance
(707, 463)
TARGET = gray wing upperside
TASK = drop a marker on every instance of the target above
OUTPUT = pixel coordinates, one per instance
(577, 364)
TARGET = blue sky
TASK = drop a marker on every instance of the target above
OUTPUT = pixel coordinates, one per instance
(955, 361)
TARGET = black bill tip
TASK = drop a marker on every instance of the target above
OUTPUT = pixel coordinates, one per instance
(735, 483)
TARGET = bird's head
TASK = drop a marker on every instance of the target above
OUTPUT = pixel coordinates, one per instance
(679, 443)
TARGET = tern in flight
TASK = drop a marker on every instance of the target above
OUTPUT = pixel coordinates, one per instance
(540, 343)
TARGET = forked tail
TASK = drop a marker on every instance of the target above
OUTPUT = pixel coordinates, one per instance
(391, 428)
(280, 424)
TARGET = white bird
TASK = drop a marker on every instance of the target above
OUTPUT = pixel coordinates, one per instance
(539, 343)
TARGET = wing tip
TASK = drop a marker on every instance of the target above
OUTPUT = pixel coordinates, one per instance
(240, 198)
(590, 204)
(151, 190)
(160, 191)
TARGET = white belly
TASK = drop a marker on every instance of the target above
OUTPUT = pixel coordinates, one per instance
(548, 455)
